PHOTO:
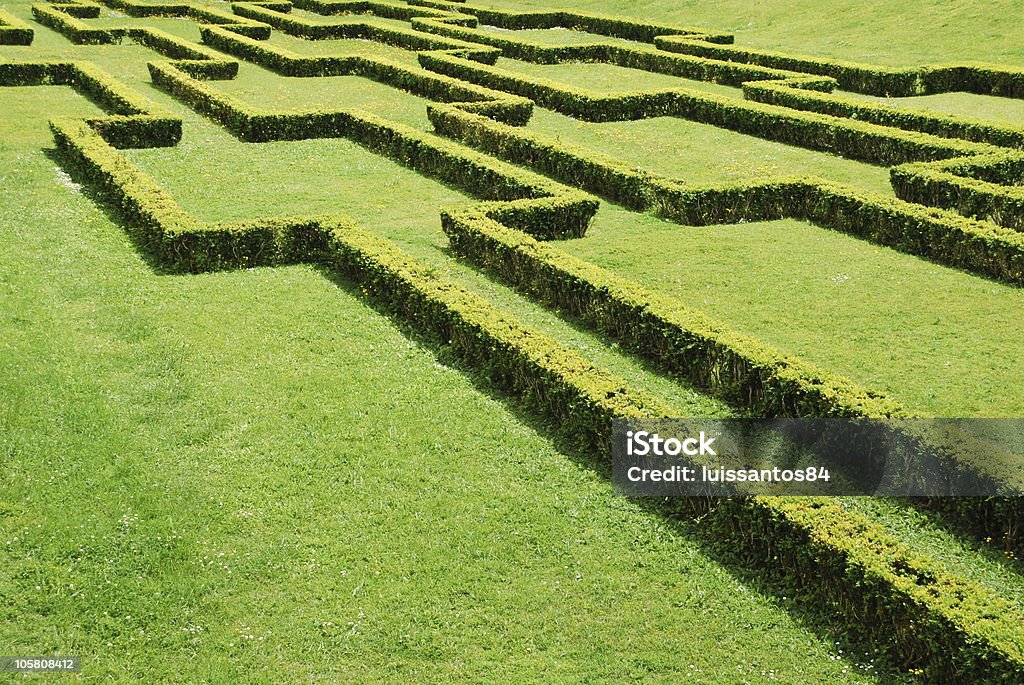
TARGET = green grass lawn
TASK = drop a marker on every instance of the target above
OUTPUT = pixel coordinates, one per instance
(943, 342)
(610, 78)
(256, 477)
(235, 477)
(702, 154)
(890, 32)
(995, 109)
(266, 90)
(330, 176)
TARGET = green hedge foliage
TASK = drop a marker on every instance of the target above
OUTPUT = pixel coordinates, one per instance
(698, 68)
(438, 158)
(64, 19)
(568, 387)
(382, 8)
(942, 236)
(135, 122)
(853, 139)
(507, 108)
(947, 126)
(953, 629)
(864, 78)
(686, 343)
(928, 618)
(985, 187)
(13, 31)
(350, 28)
(200, 13)
(617, 27)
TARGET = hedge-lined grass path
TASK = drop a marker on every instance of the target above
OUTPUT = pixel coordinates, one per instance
(911, 591)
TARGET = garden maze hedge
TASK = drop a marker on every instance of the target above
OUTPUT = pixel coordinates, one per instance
(958, 202)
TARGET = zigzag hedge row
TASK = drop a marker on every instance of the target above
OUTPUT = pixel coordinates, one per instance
(987, 187)
(468, 170)
(508, 108)
(616, 27)
(947, 238)
(950, 627)
(853, 139)
(727, 73)
(133, 122)
(928, 618)
(65, 19)
(947, 126)
(279, 18)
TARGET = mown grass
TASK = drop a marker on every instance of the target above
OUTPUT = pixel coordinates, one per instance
(338, 176)
(943, 342)
(255, 477)
(266, 90)
(1000, 110)
(235, 477)
(892, 32)
(702, 154)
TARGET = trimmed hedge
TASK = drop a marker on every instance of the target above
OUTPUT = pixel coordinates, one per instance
(382, 8)
(566, 386)
(986, 187)
(507, 108)
(352, 28)
(927, 618)
(853, 139)
(135, 121)
(977, 246)
(698, 68)
(742, 370)
(982, 79)
(14, 31)
(616, 27)
(200, 13)
(919, 614)
(64, 19)
(582, 398)
(942, 236)
(436, 157)
(944, 125)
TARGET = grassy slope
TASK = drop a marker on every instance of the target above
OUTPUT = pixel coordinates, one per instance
(234, 477)
(941, 341)
(702, 154)
(998, 110)
(124, 385)
(892, 32)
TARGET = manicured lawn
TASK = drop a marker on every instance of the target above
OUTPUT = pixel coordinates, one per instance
(261, 88)
(889, 32)
(1000, 110)
(236, 477)
(257, 477)
(943, 342)
(702, 154)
